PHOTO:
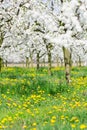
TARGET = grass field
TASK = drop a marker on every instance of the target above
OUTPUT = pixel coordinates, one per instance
(33, 100)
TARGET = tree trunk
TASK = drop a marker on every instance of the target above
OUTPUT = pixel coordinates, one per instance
(6, 63)
(57, 60)
(31, 58)
(80, 62)
(0, 64)
(48, 47)
(27, 62)
(38, 62)
(67, 60)
(23, 64)
(61, 62)
(49, 62)
(1, 41)
(44, 62)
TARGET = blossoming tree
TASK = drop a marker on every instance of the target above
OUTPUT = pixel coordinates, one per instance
(39, 28)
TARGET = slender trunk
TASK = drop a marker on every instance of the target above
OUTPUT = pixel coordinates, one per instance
(0, 64)
(49, 62)
(48, 47)
(61, 64)
(6, 63)
(41, 65)
(31, 58)
(27, 62)
(80, 62)
(44, 62)
(23, 64)
(38, 62)
(67, 60)
(1, 41)
(76, 63)
(57, 60)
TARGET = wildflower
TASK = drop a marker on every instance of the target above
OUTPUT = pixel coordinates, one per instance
(62, 117)
(77, 104)
(8, 104)
(4, 120)
(52, 121)
(9, 118)
(54, 107)
(34, 129)
(74, 119)
(28, 111)
(83, 126)
(1, 127)
(73, 125)
(24, 126)
(85, 105)
(34, 124)
(14, 104)
(54, 117)
(49, 112)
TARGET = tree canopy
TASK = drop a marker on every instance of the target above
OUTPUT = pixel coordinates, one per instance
(28, 27)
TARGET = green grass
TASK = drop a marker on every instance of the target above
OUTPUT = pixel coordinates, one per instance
(34, 100)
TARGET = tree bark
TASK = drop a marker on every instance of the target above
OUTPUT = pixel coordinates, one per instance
(57, 60)
(49, 62)
(80, 62)
(48, 47)
(68, 62)
(1, 41)
(0, 64)
(27, 62)
(38, 62)
(61, 62)
(31, 58)
(43, 62)
(6, 63)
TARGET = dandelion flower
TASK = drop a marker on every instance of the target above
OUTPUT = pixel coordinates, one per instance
(83, 126)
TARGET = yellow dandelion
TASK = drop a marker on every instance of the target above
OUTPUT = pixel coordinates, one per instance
(76, 120)
(62, 117)
(9, 118)
(34, 129)
(34, 124)
(24, 126)
(73, 125)
(54, 117)
(4, 120)
(1, 127)
(28, 111)
(52, 121)
(83, 126)
(14, 104)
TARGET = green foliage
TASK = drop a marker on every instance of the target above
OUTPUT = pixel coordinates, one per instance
(26, 81)
(34, 100)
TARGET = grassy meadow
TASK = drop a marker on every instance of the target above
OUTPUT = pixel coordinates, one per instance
(34, 100)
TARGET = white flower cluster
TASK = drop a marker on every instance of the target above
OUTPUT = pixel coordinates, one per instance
(29, 26)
